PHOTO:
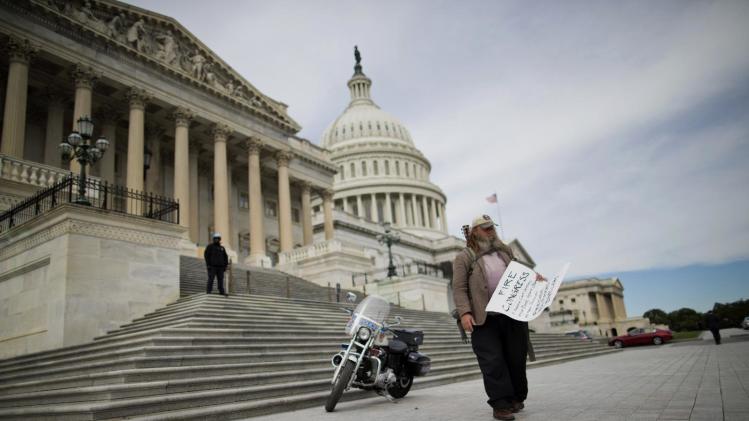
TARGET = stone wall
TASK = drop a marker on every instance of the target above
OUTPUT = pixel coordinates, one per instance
(78, 272)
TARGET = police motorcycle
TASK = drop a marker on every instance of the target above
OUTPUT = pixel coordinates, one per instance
(371, 362)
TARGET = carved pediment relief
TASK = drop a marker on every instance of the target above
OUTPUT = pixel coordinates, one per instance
(164, 41)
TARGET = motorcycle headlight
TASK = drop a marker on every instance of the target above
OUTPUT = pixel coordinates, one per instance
(364, 333)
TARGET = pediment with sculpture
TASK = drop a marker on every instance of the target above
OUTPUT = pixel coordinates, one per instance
(168, 43)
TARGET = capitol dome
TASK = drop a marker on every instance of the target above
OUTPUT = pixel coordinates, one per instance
(382, 176)
(364, 119)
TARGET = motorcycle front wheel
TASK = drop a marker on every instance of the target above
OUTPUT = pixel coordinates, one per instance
(401, 386)
(340, 385)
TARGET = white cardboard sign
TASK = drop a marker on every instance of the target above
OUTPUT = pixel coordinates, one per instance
(519, 296)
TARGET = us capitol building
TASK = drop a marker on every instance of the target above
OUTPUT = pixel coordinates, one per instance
(194, 148)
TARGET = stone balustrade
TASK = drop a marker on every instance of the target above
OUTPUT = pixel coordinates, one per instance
(27, 172)
(312, 250)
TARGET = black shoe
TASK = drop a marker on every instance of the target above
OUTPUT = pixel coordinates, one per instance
(503, 414)
(517, 407)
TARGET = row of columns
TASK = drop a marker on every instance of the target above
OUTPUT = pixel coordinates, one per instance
(185, 163)
(420, 205)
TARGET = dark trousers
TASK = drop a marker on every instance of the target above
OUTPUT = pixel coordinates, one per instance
(716, 335)
(218, 273)
(501, 347)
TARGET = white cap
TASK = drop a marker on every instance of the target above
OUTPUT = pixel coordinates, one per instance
(483, 221)
(216, 235)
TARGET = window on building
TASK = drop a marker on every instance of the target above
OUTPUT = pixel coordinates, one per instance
(397, 168)
(414, 168)
(295, 215)
(364, 168)
(244, 200)
(375, 169)
(340, 173)
(387, 167)
(561, 301)
(353, 170)
(573, 300)
(271, 209)
(405, 165)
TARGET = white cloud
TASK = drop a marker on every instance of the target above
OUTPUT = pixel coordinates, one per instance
(603, 113)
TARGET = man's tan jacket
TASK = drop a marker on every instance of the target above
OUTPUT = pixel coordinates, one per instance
(471, 295)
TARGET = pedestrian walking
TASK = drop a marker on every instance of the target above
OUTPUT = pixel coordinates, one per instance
(499, 342)
(713, 324)
(216, 261)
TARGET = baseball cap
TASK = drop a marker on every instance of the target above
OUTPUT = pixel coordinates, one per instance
(483, 221)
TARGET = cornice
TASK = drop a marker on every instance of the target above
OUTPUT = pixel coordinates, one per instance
(160, 41)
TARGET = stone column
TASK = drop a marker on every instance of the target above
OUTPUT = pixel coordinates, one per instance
(137, 98)
(106, 118)
(604, 315)
(425, 212)
(402, 211)
(84, 78)
(194, 221)
(257, 237)
(373, 208)
(306, 214)
(415, 210)
(55, 131)
(388, 210)
(20, 53)
(359, 207)
(432, 213)
(284, 201)
(153, 175)
(182, 118)
(443, 217)
(345, 205)
(327, 205)
(220, 133)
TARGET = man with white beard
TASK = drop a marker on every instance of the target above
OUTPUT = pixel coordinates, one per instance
(499, 342)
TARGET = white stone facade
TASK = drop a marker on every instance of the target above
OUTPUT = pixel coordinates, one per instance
(79, 272)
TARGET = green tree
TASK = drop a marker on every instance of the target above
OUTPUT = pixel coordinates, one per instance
(686, 319)
(657, 316)
(731, 314)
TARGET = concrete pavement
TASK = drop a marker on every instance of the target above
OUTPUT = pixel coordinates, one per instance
(688, 381)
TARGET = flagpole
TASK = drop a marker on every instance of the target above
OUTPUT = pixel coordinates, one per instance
(499, 219)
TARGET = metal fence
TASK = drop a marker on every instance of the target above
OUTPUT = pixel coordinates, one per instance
(100, 195)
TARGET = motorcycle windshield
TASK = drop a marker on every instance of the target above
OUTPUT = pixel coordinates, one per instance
(371, 312)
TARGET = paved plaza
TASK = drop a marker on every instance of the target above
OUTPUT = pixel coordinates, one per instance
(693, 380)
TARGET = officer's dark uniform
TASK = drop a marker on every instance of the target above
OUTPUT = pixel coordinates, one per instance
(216, 261)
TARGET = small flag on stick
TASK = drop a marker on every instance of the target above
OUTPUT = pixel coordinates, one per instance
(492, 198)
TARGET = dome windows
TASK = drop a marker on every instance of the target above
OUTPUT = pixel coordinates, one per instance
(375, 169)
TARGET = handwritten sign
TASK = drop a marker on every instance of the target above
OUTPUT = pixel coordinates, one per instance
(519, 296)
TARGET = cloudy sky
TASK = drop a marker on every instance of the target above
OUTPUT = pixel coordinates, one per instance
(616, 134)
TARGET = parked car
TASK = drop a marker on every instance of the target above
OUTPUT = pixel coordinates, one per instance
(641, 337)
(745, 323)
(583, 335)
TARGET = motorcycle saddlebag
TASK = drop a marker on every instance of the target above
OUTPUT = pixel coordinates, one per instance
(418, 364)
(410, 337)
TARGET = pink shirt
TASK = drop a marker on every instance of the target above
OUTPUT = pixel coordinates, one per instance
(495, 268)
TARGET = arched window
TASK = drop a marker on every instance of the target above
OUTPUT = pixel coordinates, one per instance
(340, 173)
(405, 165)
(375, 169)
(364, 168)
(397, 168)
(387, 167)
(353, 170)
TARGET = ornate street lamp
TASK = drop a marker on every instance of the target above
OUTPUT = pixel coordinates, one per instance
(389, 238)
(78, 146)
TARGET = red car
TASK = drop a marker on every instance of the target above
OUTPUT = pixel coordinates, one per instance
(642, 337)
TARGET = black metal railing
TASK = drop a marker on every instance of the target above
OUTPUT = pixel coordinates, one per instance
(100, 195)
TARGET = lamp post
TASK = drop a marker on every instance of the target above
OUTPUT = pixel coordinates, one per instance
(78, 146)
(389, 238)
